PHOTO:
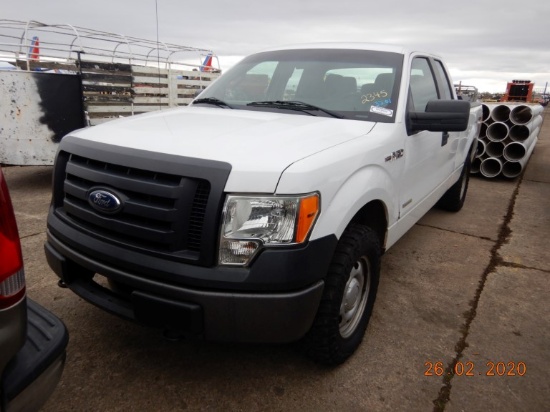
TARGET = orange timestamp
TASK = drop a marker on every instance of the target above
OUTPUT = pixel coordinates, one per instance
(469, 369)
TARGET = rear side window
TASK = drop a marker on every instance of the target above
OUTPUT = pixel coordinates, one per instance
(422, 86)
(446, 89)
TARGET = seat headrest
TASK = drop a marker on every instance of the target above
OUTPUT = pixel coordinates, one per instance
(339, 85)
(384, 81)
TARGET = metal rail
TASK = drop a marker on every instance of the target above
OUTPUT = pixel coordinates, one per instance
(64, 43)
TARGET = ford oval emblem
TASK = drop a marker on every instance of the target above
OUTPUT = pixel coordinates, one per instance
(104, 201)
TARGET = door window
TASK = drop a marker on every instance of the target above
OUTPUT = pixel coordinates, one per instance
(423, 87)
(444, 81)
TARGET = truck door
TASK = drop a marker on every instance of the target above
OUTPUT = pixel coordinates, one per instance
(457, 140)
(428, 155)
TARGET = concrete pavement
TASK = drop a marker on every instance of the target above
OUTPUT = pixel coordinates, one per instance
(511, 317)
(462, 290)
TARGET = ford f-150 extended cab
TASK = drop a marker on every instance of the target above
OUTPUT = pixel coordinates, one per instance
(260, 212)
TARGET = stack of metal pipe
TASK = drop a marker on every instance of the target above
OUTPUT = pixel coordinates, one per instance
(507, 138)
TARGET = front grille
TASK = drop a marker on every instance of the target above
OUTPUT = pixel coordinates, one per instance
(197, 216)
(162, 212)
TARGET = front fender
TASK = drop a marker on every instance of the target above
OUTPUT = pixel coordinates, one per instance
(368, 184)
(345, 187)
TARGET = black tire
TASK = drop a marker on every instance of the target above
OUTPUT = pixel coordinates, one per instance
(338, 329)
(454, 198)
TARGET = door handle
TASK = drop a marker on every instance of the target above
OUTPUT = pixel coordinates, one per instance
(444, 138)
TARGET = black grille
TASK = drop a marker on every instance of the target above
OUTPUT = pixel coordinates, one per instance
(162, 212)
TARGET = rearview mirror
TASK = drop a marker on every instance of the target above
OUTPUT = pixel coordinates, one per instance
(441, 116)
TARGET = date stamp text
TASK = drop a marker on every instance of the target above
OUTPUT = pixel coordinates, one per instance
(470, 368)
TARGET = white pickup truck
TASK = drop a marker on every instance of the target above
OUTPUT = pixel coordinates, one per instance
(260, 212)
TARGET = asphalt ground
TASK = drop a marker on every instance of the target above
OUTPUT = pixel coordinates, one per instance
(461, 322)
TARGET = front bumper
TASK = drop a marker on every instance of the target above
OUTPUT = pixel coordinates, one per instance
(275, 300)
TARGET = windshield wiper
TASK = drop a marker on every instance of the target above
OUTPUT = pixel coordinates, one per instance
(214, 101)
(294, 105)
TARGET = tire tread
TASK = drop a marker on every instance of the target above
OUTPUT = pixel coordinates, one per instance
(323, 343)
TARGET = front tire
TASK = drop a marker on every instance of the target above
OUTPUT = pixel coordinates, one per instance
(348, 297)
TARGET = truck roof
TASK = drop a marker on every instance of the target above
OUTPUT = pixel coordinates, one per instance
(392, 48)
(341, 45)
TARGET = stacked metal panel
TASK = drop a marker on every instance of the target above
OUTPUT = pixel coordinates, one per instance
(507, 138)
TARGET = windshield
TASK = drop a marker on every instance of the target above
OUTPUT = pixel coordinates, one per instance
(352, 84)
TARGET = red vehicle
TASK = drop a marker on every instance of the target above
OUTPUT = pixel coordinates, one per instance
(32, 340)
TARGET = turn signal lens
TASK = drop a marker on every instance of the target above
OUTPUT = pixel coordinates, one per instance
(309, 209)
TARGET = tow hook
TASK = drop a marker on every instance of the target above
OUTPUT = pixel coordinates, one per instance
(173, 335)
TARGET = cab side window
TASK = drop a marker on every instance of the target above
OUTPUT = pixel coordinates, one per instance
(422, 86)
(446, 87)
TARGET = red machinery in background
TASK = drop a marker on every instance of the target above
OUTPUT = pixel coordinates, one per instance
(518, 91)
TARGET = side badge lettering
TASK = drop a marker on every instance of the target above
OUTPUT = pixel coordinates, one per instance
(395, 155)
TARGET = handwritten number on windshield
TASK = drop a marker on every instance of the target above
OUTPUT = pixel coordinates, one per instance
(370, 97)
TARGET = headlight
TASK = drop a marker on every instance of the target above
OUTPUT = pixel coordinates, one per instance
(252, 221)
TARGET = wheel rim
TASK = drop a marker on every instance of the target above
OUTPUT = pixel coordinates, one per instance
(354, 300)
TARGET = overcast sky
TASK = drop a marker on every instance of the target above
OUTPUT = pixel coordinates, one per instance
(486, 43)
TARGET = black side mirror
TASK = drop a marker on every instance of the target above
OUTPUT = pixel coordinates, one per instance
(441, 116)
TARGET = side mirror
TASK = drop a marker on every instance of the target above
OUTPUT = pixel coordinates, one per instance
(441, 116)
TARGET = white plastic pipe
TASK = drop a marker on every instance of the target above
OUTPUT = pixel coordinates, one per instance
(514, 169)
(480, 151)
(486, 112)
(511, 169)
(500, 113)
(537, 109)
(474, 169)
(524, 161)
(516, 151)
(487, 108)
(523, 113)
(483, 130)
(521, 132)
(497, 131)
(491, 167)
(495, 149)
(530, 142)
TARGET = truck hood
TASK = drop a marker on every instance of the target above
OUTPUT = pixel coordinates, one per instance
(258, 145)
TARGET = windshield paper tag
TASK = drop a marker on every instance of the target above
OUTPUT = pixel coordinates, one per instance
(381, 110)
